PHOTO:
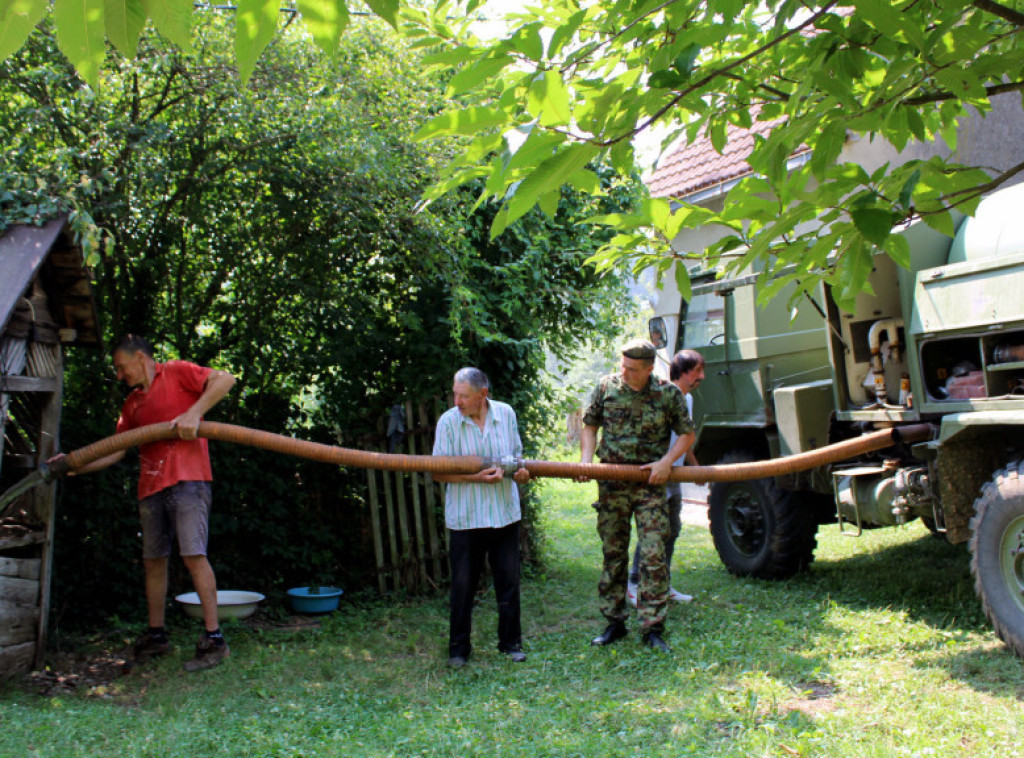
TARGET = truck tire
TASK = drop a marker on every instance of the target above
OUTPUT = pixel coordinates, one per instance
(997, 553)
(758, 530)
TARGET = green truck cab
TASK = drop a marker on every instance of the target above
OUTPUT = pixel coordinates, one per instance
(940, 342)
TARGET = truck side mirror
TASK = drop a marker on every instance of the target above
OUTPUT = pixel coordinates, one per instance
(658, 332)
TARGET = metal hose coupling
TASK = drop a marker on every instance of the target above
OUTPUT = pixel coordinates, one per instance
(509, 464)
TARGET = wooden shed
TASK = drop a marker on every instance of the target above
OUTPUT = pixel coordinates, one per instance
(46, 303)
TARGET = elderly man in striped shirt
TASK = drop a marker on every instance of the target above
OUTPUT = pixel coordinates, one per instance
(482, 513)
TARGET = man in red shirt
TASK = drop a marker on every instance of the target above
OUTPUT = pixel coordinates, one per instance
(174, 485)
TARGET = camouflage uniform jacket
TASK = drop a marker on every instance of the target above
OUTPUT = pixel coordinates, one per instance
(636, 426)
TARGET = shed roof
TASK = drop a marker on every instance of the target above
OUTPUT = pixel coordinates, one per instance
(50, 252)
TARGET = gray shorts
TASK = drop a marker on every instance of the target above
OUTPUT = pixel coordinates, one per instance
(183, 509)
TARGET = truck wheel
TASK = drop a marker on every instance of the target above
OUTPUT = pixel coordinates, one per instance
(759, 530)
(997, 553)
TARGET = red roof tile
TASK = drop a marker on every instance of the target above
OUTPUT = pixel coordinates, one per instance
(693, 167)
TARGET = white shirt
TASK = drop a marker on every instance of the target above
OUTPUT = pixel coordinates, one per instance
(476, 505)
(681, 460)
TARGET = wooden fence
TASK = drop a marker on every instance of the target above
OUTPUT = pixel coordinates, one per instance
(410, 542)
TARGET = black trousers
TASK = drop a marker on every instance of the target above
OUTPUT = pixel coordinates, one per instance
(468, 548)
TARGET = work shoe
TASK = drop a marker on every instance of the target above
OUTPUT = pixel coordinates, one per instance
(208, 654)
(614, 631)
(631, 590)
(679, 597)
(148, 647)
(457, 661)
(654, 640)
(515, 654)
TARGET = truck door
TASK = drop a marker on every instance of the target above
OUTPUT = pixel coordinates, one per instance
(704, 327)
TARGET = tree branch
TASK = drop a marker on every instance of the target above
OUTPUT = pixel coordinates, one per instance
(981, 189)
(1007, 14)
(937, 97)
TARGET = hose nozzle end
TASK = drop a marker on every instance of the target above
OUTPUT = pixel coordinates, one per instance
(509, 464)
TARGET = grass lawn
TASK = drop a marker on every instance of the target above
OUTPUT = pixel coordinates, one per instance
(880, 650)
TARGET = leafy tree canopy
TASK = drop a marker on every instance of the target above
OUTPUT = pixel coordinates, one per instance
(576, 80)
(573, 81)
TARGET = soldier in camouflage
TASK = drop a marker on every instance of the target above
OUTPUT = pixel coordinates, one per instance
(636, 413)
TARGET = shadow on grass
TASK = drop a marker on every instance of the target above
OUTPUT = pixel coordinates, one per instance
(890, 593)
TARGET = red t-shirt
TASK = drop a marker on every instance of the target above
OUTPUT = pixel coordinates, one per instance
(175, 388)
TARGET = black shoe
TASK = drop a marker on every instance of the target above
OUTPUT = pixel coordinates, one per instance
(515, 654)
(614, 631)
(457, 661)
(654, 640)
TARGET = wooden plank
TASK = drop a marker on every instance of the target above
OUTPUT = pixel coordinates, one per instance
(21, 540)
(29, 383)
(438, 410)
(47, 445)
(18, 623)
(410, 421)
(18, 591)
(389, 503)
(428, 444)
(378, 541)
(16, 659)
(25, 568)
(406, 549)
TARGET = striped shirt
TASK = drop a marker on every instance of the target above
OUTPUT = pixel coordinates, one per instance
(475, 505)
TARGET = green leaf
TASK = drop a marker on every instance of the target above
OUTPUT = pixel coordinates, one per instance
(548, 99)
(326, 20)
(665, 79)
(941, 222)
(565, 32)
(465, 121)
(80, 36)
(586, 181)
(718, 136)
(874, 224)
(549, 203)
(898, 249)
(684, 62)
(452, 57)
(528, 42)
(907, 191)
(683, 283)
(537, 147)
(660, 212)
(484, 69)
(386, 9)
(852, 269)
(173, 19)
(255, 25)
(124, 21)
(17, 20)
(549, 175)
(880, 13)
(828, 147)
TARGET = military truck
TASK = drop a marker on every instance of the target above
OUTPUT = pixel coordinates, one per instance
(940, 342)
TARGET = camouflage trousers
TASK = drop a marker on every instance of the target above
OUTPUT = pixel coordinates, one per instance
(618, 503)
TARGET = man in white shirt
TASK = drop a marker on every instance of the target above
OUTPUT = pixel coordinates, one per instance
(482, 513)
(686, 371)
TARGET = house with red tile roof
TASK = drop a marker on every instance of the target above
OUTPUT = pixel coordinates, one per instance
(697, 173)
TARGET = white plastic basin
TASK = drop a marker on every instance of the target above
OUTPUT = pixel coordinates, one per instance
(231, 604)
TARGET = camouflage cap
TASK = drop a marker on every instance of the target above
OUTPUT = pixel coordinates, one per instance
(639, 349)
